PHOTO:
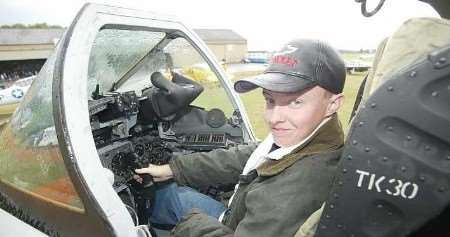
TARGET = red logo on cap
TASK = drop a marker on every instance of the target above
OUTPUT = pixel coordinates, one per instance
(282, 59)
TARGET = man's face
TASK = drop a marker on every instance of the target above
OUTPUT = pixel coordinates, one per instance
(293, 116)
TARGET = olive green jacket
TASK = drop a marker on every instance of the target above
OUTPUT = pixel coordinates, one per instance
(277, 202)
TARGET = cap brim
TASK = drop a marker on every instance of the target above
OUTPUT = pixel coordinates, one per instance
(277, 82)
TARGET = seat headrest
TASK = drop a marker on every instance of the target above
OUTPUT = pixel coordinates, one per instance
(394, 173)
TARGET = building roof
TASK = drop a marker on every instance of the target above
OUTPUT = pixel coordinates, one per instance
(47, 36)
(220, 36)
(29, 36)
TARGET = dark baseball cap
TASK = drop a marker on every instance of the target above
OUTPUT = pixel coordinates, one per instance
(299, 65)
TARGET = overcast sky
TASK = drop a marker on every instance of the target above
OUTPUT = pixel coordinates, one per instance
(265, 24)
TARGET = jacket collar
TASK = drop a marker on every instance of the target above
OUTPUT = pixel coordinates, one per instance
(328, 138)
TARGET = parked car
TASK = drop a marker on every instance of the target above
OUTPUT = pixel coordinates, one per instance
(353, 66)
(257, 57)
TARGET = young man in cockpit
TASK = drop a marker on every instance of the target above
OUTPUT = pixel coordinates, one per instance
(284, 179)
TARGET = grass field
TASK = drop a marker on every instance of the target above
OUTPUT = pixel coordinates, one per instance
(254, 104)
(6, 111)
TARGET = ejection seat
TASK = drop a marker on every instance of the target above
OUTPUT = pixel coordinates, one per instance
(394, 174)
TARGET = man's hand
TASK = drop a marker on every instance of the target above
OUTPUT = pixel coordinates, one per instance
(159, 172)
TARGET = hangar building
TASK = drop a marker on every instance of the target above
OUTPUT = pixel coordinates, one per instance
(24, 51)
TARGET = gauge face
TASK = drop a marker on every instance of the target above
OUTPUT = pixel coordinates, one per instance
(216, 118)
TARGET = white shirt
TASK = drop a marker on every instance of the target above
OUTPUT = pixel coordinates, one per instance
(262, 153)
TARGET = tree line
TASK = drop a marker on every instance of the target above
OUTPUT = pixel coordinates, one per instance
(30, 26)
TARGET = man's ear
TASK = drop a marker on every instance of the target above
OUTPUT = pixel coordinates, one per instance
(335, 102)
